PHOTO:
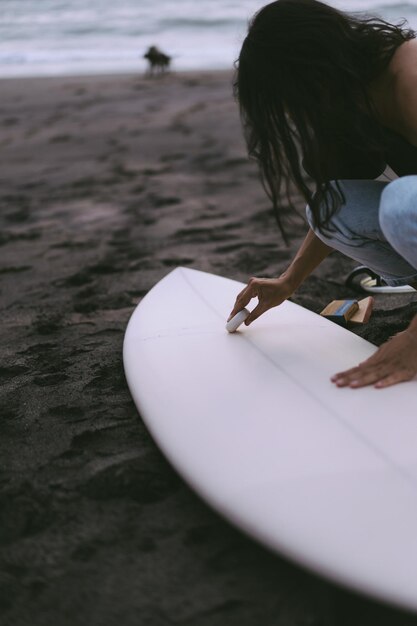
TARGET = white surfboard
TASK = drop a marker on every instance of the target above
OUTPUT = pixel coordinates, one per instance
(323, 475)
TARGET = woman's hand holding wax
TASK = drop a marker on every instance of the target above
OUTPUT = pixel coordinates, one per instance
(273, 291)
(269, 291)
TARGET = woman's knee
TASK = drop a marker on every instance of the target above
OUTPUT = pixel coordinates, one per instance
(398, 208)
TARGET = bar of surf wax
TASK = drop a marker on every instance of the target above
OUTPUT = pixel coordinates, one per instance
(340, 311)
(238, 319)
(364, 312)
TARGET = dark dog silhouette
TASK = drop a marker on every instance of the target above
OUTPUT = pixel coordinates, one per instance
(158, 61)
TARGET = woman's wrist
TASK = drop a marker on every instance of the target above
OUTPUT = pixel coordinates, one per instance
(289, 281)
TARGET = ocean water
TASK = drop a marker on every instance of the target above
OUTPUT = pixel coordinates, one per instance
(57, 37)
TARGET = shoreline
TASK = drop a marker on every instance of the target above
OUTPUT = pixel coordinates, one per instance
(116, 75)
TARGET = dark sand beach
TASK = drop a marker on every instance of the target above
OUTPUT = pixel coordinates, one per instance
(107, 183)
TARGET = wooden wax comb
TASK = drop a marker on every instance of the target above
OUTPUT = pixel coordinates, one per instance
(340, 311)
(364, 312)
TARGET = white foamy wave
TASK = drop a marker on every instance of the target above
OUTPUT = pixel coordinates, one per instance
(41, 37)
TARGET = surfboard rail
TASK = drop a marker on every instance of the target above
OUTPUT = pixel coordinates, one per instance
(323, 475)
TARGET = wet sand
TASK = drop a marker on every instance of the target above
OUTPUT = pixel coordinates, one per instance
(107, 183)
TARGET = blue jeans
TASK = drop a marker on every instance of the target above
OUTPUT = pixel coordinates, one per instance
(377, 226)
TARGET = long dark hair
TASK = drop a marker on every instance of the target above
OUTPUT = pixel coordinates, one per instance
(301, 83)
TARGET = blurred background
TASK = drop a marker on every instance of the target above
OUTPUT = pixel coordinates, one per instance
(56, 37)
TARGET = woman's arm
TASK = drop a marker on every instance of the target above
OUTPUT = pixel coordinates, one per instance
(396, 360)
(273, 291)
(310, 254)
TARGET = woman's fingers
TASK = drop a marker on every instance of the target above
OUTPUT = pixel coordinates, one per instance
(257, 312)
(269, 291)
(392, 379)
(244, 297)
(360, 377)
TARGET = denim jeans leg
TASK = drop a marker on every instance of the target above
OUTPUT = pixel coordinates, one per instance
(355, 231)
(398, 217)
